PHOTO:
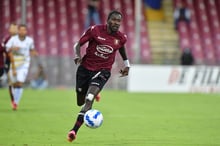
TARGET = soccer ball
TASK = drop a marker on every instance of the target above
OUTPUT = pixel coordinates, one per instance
(93, 118)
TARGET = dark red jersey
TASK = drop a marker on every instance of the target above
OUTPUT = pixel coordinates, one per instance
(102, 47)
(3, 50)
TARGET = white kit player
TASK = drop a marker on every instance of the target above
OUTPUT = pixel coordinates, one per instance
(20, 48)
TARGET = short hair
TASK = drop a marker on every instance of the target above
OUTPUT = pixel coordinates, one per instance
(13, 23)
(22, 25)
(113, 12)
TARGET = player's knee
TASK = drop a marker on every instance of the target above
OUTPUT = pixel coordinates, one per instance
(88, 102)
(80, 95)
(80, 102)
(90, 97)
(1, 72)
(80, 99)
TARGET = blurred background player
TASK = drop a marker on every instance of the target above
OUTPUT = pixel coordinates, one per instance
(4, 56)
(5, 59)
(95, 67)
(19, 47)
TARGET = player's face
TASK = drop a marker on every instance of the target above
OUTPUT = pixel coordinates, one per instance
(22, 31)
(114, 22)
(13, 29)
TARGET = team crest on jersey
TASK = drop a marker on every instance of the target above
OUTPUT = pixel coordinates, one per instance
(116, 41)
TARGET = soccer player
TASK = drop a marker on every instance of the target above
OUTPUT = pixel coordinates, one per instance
(5, 59)
(94, 68)
(20, 48)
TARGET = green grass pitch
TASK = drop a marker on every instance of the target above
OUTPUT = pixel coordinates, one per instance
(44, 117)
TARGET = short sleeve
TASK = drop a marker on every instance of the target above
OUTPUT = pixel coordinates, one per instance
(32, 44)
(9, 44)
(87, 35)
(123, 39)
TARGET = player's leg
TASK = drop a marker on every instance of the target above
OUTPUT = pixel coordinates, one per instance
(80, 98)
(18, 85)
(18, 91)
(97, 83)
(1, 74)
(82, 84)
(1, 71)
(11, 81)
(10, 89)
(93, 90)
(15, 92)
(7, 68)
(90, 96)
(7, 64)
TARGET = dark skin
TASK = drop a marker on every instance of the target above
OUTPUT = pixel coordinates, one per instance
(113, 24)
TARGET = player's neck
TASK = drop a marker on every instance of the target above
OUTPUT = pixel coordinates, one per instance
(22, 38)
(110, 31)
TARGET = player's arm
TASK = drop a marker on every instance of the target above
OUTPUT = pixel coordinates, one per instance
(33, 52)
(13, 49)
(125, 71)
(77, 46)
(78, 57)
(11, 57)
(12, 61)
(9, 49)
(2, 47)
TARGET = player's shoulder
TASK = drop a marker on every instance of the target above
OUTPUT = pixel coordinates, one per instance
(29, 39)
(15, 37)
(12, 39)
(97, 27)
(5, 39)
(122, 36)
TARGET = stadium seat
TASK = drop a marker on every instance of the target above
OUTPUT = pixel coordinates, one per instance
(214, 25)
(196, 40)
(63, 21)
(204, 30)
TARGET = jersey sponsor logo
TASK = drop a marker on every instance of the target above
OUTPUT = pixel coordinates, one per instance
(101, 55)
(104, 49)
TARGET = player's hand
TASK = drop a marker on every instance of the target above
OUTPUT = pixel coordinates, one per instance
(34, 53)
(124, 72)
(77, 60)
